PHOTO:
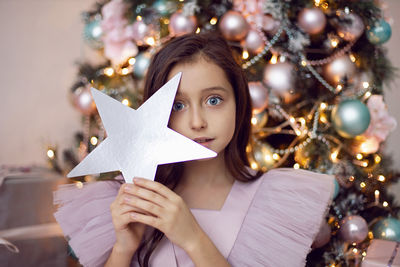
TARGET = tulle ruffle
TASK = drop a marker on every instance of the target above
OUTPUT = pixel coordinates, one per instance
(283, 219)
(85, 218)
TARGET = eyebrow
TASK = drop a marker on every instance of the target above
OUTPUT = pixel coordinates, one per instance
(213, 88)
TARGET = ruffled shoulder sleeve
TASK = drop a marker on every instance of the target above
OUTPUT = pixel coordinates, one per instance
(283, 218)
(85, 218)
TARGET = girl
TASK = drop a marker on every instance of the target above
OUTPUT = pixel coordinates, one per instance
(213, 212)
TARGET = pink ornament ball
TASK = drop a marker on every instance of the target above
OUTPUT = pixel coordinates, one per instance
(259, 96)
(312, 20)
(234, 26)
(253, 42)
(353, 30)
(83, 101)
(140, 31)
(180, 24)
(353, 229)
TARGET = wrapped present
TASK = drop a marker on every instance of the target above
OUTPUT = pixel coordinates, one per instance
(382, 253)
(29, 234)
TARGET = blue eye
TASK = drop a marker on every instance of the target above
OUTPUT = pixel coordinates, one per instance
(177, 106)
(214, 100)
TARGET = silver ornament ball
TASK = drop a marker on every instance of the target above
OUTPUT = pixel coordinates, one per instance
(141, 65)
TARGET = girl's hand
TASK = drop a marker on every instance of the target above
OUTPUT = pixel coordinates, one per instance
(166, 211)
(128, 232)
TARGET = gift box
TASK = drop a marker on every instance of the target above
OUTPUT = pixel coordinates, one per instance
(29, 234)
(382, 253)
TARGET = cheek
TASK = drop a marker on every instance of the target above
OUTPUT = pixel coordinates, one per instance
(174, 123)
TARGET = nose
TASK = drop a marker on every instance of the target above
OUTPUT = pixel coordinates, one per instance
(197, 120)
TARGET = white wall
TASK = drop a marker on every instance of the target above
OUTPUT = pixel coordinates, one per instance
(40, 41)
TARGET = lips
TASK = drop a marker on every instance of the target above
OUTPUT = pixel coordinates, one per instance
(203, 140)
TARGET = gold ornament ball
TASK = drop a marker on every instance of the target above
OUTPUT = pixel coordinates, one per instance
(258, 120)
(261, 153)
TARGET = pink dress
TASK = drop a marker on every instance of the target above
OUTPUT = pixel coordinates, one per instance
(268, 222)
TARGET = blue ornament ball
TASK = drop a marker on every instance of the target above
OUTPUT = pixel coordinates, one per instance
(141, 65)
(388, 229)
(92, 33)
(380, 32)
(336, 190)
(350, 118)
(164, 7)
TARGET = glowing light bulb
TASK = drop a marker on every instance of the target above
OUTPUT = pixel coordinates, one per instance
(150, 41)
(198, 30)
(365, 85)
(352, 58)
(274, 59)
(275, 156)
(254, 166)
(93, 140)
(385, 204)
(334, 155)
(139, 18)
(124, 71)
(323, 106)
(296, 166)
(362, 185)
(381, 178)
(132, 61)
(359, 156)
(245, 54)
(109, 71)
(125, 102)
(303, 63)
(213, 21)
(50, 153)
(334, 42)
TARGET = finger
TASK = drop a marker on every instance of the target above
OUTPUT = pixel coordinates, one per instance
(125, 208)
(145, 219)
(154, 186)
(146, 194)
(144, 205)
(124, 220)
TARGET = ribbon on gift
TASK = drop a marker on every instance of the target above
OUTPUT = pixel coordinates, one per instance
(395, 250)
(28, 232)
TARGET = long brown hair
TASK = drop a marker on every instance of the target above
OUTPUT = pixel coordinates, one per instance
(186, 49)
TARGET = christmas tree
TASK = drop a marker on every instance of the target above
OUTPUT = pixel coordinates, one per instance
(316, 71)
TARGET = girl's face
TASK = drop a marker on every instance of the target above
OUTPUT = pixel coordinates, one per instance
(204, 109)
